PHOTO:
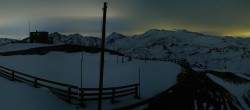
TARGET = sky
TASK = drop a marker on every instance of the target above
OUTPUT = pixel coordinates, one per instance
(128, 17)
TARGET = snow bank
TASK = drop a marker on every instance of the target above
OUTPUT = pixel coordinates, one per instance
(21, 46)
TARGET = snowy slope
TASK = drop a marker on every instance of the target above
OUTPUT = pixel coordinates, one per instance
(4, 41)
(21, 46)
(113, 37)
(18, 96)
(167, 41)
(207, 90)
(241, 91)
(202, 51)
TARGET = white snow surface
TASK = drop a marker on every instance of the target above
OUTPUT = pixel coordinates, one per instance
(65, 68)
(19, 96)
(6, 40)
(237, 90)
(21, 46)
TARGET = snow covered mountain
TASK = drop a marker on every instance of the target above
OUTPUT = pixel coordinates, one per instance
(202, 51)
(114, 37)
(75, 39)
(168, 43)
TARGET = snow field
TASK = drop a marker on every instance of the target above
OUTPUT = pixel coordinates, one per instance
(65, 68)
(19, 96)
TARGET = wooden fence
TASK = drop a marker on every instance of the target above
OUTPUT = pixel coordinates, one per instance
(112, 93)
(71, 93)
(185, 67)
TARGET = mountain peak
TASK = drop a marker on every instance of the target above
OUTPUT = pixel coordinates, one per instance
(151, 31)
(76, 35)
(155, 31)
(187, 31)
(55, 34)
(114, 36)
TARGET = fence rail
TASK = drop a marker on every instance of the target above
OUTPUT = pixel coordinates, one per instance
(90, 94)
(72, 94)
(185, 67)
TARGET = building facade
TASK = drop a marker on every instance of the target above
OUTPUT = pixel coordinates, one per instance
(40, 37)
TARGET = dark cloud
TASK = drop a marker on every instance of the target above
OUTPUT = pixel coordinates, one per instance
(67, 25)
(217, 17)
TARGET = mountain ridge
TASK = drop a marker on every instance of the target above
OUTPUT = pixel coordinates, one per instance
(202, 51)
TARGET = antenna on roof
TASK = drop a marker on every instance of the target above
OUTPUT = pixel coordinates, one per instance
(29, 25)
(29, 29)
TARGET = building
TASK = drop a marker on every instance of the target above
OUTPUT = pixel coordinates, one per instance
(40, 37)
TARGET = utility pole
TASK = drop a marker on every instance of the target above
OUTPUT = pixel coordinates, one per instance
(102, 56)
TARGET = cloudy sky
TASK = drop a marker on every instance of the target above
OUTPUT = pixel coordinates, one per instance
(129, 17)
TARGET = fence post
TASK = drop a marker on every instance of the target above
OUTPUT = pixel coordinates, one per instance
(82, 104)
(36, 85)
(69, 94)
(137, 92)
(138, 87)
(117, 59)
(13, 76)
(113, 96)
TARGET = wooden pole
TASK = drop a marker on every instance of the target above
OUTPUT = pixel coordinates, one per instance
(102, 56)
(81, 102)
(13, 76)
(69, 94)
